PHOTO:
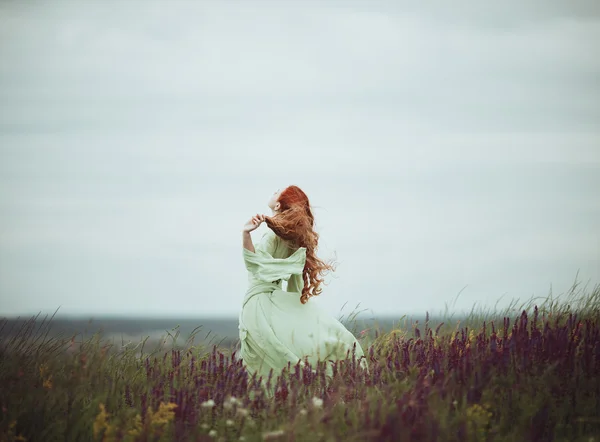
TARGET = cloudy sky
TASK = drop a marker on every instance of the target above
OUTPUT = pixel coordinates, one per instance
(443, 146)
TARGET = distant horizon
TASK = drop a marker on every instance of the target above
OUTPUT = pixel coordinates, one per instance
(185, 318)
(581, 288)
(216, 317)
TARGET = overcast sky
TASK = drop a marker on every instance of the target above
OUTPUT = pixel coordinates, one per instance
(443, 145)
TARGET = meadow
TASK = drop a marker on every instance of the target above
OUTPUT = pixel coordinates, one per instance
(528, 373)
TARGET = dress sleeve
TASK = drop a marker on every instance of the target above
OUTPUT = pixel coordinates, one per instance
(266, 268)
(268, 243)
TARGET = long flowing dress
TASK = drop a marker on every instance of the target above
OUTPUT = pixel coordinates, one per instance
(274, 326)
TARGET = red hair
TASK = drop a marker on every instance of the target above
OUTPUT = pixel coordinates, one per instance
(295, 224)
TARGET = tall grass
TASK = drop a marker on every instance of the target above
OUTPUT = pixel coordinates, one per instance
(529, 372)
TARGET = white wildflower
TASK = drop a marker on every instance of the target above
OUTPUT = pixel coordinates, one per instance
(317, 402)
(303, 412)
(273, 434)
(243, 412)
(212, 433)
(208, 404)
(230, 402)
(229, 423)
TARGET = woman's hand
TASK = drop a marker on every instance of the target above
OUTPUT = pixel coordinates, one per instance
(253, 223)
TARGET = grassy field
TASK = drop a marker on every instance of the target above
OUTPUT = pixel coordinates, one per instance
(529, 373)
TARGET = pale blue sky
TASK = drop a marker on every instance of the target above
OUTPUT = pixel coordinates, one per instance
(441, 147)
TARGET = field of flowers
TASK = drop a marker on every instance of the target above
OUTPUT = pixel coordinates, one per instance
(532, 376)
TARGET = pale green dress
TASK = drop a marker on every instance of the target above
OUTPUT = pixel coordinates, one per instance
(274, 326)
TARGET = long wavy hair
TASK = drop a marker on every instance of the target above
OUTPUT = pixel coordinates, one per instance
(295, 224)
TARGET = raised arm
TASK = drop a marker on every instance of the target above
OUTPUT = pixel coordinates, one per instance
(251, 225)
(247, 241)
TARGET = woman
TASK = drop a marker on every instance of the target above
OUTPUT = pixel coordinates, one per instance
(278, 326)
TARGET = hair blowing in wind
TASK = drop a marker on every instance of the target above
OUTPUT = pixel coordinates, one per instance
(295, 224)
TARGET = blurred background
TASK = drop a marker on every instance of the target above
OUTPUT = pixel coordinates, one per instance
(447, 148)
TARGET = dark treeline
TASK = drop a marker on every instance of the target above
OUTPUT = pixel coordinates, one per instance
(138, 328)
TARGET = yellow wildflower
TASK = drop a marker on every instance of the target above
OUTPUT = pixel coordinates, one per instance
(164, 414)
(47, 383)
(479, 418)
(10, 434)
(137, 426)
(101, 423)
(470, 338)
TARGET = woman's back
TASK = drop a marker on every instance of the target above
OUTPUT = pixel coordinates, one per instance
(275, 327)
